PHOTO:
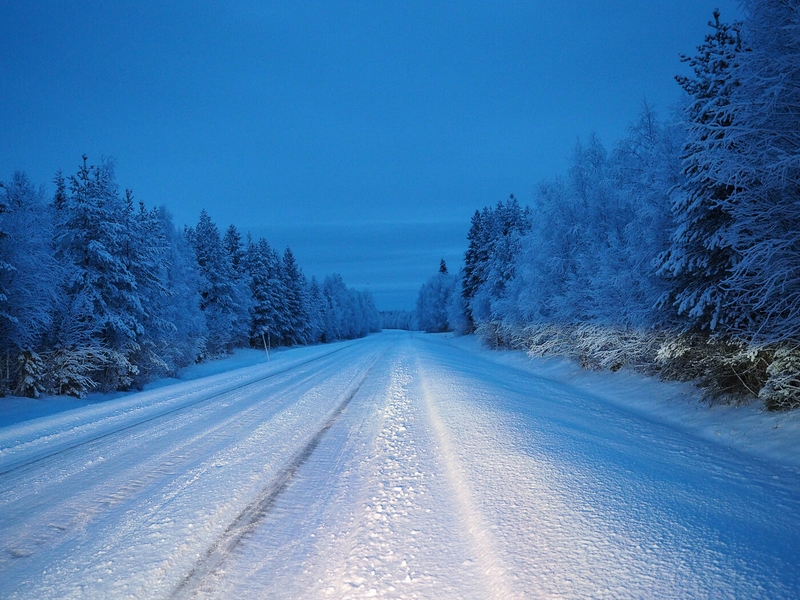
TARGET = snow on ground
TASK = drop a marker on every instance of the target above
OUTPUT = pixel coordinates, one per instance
(749, 428)
(15, 410)
(400, 466)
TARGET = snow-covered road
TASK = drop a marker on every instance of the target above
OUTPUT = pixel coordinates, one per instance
(395, 466)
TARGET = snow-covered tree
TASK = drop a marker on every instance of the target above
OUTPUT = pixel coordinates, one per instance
(759, 161)
(399, 319)
(434, 301)
(293, 283)
(347, 313)
(268, 315)
(340, 321)
(29, 279)
(489, 260)
(316, 311)
(645, 166)
(224, 302)
(232, 241)
(94, 245)
(702, 253)
(177, 323)
(476, 259)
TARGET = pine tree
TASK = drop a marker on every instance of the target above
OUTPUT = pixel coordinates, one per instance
(293, 284)
(223, 301)
(475, 259)
(260, 264)
(232, 241)
(702, 255)
(489, 260)
(28, 284)
(92, 241)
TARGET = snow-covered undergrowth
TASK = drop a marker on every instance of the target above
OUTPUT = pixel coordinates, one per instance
(728, 370)
(748, 427)
(16, 409)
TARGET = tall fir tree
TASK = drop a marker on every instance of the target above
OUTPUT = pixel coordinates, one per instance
(105, 309)
(259, 263)
(183, 338)
(489, 260)
(223, 301)
(29, 278)
(232, 241)
(475, 259)
(293, 283)
(702, 253)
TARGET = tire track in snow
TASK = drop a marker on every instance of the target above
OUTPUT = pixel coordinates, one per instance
(69, 448)
(494, 573)
(41, 527)
(252, 515)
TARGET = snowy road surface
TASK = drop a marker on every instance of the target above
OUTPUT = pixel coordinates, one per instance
(394, 466)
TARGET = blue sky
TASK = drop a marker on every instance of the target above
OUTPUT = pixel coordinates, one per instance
(363, 134)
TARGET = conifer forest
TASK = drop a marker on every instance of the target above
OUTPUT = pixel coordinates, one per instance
(677, 250)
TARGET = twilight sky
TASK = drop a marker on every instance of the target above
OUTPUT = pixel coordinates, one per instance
(363, 134)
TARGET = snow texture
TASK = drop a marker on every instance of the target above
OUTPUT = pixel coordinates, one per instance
(400, 466)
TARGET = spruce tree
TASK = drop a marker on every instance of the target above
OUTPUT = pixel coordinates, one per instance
(293, 283)
(702, 254)
(104, 307)
(29, 279)
(260, 264)
(232, 241)
(223, 301)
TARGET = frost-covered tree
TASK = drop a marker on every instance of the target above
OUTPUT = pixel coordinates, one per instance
(232, 241)
(758, 159)
(399, 319)
(489, 260)
(99, 292)
(182, 339)
(316, 312)
(340, 318)
(645, 166)
(293, 283)
(144, 251)
(5, 266)
(702, 252)
(347, 313)
(584, 281)
(262, 265)
(434, 300)
(94, 242)
(563, 264)
(476, 259)
(29, 279)
(224, 302)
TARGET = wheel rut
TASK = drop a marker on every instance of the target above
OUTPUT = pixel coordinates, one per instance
(254, 513)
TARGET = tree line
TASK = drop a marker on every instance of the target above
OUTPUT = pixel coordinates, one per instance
(99, 292)
(677, 251)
